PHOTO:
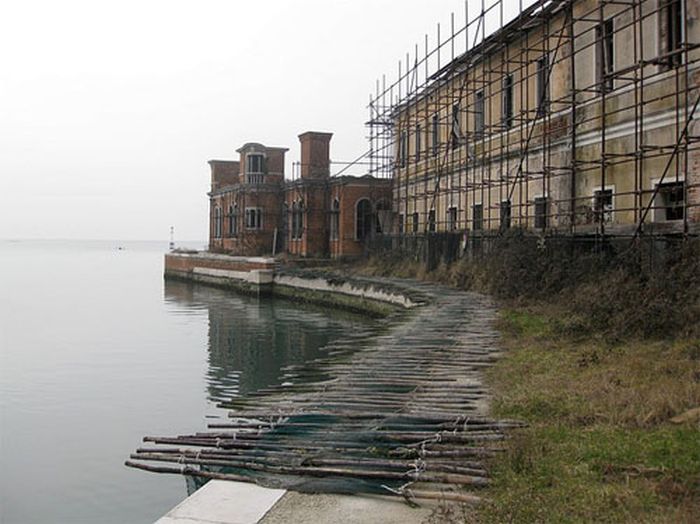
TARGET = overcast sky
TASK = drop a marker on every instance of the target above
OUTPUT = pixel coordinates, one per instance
(109, 111)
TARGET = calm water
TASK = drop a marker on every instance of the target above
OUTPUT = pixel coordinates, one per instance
(96, 352)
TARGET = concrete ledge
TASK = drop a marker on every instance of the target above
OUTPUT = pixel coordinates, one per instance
(257, 276)
(224, 502)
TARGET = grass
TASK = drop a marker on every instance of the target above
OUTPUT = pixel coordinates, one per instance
(602, 351)
(600, 447)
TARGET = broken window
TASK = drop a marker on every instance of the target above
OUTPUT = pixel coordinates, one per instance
(253, 218)
(452, 219)
(477, 217)
(505, 214)
(431, 220)
(436, 133)
(254, 163)
(456, 127)
(507, 101)
(543, 85)
(604, 55)
(603, 205)
(233, 220)
(335, 219)
(418, 142)
(363, 219)
(673, 21)
(670, 201)
(217, 222)
(479, 122)
(541, 212)
(403, 148)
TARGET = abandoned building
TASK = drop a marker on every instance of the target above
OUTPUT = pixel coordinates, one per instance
(568, 118)
(255, 211)
(574, 117)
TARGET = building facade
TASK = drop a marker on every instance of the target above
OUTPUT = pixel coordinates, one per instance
(577, 117)
(254, 210)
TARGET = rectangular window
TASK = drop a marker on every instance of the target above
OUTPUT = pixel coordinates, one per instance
(436, 133)
(431, 221)
(415, 222)
(253, 218)
(542, 85)
(452, 219)
(217, 222)
(603, 206)
(670, 201)
(254, 163)
(477, 217)
(541, 212)
(505, 214)
(400, 224)
(479, 122)
(605, 55)
(674, 31)
(418, 138)
(456, 133)
(403, 148)
(507, 101)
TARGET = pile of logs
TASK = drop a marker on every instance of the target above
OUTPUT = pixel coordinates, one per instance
(403, 415)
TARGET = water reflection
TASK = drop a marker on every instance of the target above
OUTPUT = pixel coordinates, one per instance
(251, 341)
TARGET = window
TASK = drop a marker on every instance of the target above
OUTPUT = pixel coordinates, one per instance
(415, 222)
(401, 224)
(541, 212)
(670, 201)
(217, 222)
(452, 219)
(478, 217)
(603, 206)
(505, 214)
(456, 127)
(436, 133)
(431, 221)
(418, 142)
(335, 219)
(674, 31)
(604, 55)
(479, 113)
(363, 219)
(297, 220)
(233, 220)
(253, 218)
(542, 85)
(403, 147)
(383, 222)
(507, 101)
(254, 163)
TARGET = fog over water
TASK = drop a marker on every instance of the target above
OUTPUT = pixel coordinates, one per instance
(110, 110)
(96, 351)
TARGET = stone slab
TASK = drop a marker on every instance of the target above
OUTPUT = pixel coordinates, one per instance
(300, 508)
(224, 502)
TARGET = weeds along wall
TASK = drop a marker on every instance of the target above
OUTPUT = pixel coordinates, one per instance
(562, 117)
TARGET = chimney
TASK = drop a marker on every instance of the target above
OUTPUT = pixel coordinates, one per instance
(315, 158)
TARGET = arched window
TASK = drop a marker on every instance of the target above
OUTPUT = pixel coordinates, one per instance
(217, 222)
(335, 219)
(233, 220)
(363, 219)
(297, 220)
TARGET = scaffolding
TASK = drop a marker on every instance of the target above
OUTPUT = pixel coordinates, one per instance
(573, 117)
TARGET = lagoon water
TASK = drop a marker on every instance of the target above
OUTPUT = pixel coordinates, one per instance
(96, 351)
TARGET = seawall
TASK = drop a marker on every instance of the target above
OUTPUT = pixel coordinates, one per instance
(262, 276)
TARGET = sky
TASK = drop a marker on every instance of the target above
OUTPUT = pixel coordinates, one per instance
(109, 111)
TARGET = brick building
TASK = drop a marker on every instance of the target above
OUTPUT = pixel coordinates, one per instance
(255, 211)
